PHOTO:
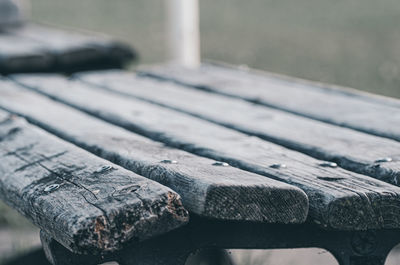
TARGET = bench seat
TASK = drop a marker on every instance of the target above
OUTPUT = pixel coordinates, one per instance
(246, 169)
(39, 48)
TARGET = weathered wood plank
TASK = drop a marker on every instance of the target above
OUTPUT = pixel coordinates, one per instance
(353, 150)
(34, 48)
(333, 193)
(374, 115)
(84, 202)
(208, 190)
(72, 49)
(18, 55)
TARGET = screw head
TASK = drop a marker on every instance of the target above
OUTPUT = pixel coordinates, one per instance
(364, 243)
(220, 164)
(328, 164)
(169, 161)
(104, 169)
(384, 160)
(277, 166)
(51, 187)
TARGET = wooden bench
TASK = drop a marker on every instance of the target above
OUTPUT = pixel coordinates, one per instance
(110, 164)
(39, 48)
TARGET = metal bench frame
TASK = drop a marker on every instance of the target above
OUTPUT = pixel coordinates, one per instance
(348, 247)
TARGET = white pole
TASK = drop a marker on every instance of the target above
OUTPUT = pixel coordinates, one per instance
(184, 33)
(12, 12)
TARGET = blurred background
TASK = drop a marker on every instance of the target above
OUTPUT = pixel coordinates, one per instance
(353, 43)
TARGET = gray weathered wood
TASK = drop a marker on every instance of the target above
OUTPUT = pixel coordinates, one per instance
(208, 190)
(84, 202)
(353, 150)
(333, 193)
(17, 55)
(34, 48)
(371, 114)
(71, 48)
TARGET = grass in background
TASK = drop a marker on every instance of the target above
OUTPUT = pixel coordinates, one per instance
(353, 43)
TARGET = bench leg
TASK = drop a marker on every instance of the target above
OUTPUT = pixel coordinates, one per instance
(204, 256)
(375, 260)
(59, 255)
(154, 252)
(364, 248)
(213, 256)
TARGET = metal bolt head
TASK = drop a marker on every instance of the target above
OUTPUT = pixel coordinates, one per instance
(104, 169)
(220, 164)
(51, 187)
(328, 164)
(277, 166)
(384, 160)
(364, 242)
(168, 161)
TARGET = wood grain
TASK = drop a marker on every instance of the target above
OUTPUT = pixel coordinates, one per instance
(333, 193)
(352, 150)
(209, 190)
(360, 111)
(84, 202)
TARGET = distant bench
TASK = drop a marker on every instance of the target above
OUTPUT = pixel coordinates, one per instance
(40, 48)
(110, 164)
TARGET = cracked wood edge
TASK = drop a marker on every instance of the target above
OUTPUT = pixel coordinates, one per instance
(352, 150)
(374, 115)
(338, 198)
(84, 202)
(211, 191)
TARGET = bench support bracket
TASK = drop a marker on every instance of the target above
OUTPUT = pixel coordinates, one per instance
(349, 248)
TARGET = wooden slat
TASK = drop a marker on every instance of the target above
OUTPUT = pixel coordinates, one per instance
(35, 48)
(84, 202)
(18, 55)
(208, 190)
(71, 48)
(359, 111)
(353, 150)
(333, 193)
